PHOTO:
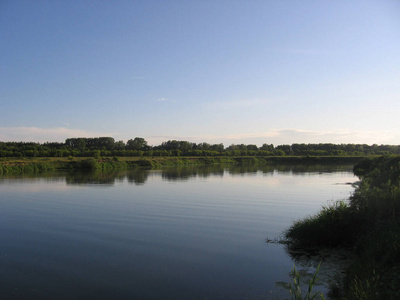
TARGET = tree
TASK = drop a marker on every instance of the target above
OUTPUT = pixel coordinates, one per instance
(267, 147)
(137, 144)
(217, 147)
(203, 146)
(119, 145)
(81, 143)
(252, 147)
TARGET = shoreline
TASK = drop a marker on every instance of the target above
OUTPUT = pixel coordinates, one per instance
(43, 164)
(368, 225)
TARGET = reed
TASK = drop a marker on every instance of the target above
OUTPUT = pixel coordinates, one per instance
(369, 223)
(296, 291)
(335, 225)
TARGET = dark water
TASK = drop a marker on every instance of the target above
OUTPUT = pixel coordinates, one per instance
(188, 233)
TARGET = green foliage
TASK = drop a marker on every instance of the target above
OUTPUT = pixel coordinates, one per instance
(26, 167)
(375, 273)
(145, 163)
(247, 160)
(295, 288)
(96, 153)
(89, 164)
(335, 225)
(369, 223)
(378, 196)
(137, 144)
(89, 147)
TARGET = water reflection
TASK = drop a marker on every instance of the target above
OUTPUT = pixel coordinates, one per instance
(187, 172)
(137, 177)
(107, 178)
(156, 233)
(331, 262)
(140, 177)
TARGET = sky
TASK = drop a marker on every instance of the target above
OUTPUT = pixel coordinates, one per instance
(215, 71)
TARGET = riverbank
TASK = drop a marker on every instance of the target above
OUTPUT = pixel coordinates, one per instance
(42, 164)
(368, 224)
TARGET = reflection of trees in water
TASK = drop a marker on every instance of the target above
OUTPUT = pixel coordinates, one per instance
(91, 178)
(139, 177)
(333, 264)
(187, 172)
(312, 168)
(283, 168)
(245, 169)
(184, 173)
(50, 176)
(109, 178)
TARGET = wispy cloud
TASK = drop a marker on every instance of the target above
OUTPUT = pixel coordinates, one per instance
(334, 136)
(164, 99)
(243, 103)
(272, 136)
(288, 136)
(36, 134)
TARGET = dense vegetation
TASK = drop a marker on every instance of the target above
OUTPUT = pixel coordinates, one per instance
(369, 223)
(137, 147)
(39, 164)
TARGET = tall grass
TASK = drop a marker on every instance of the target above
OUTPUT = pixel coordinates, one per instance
(296, 290)
(335, 225)
(26, 167)
(369, 224)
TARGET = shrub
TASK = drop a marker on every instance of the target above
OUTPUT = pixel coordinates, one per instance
(296, 291)
(370, 223)
(89, 164)
(333, 226)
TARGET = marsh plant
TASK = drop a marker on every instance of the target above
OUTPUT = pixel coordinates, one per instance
(334, 225)
(368, 224)
(296, 290)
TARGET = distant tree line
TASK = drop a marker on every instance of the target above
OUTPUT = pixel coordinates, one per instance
(107, 146)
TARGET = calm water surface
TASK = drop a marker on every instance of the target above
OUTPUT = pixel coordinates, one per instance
(188, 233)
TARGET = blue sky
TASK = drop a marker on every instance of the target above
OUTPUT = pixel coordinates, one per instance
(249, 72)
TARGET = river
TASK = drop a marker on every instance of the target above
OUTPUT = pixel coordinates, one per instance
(178, 233)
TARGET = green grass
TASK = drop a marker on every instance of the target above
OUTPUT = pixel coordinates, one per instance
(335, 225)
(34, 165)
(369, 224)
(296, 291)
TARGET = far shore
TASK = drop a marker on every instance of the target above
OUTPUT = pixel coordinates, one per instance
(41, 164)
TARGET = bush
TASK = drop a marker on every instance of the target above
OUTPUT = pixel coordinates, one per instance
(89, 164)
(369, 223)
(333, 226)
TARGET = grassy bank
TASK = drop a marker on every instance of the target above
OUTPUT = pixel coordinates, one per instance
(369, 224)
(36, 165)
(42, 164)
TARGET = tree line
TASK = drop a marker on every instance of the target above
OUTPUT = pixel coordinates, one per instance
(107, 146)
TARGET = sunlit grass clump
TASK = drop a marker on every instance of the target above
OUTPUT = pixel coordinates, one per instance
(335, 225)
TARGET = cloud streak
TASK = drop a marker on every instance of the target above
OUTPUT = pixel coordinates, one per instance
(239, 104)
(289, 136)
(272, 136)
